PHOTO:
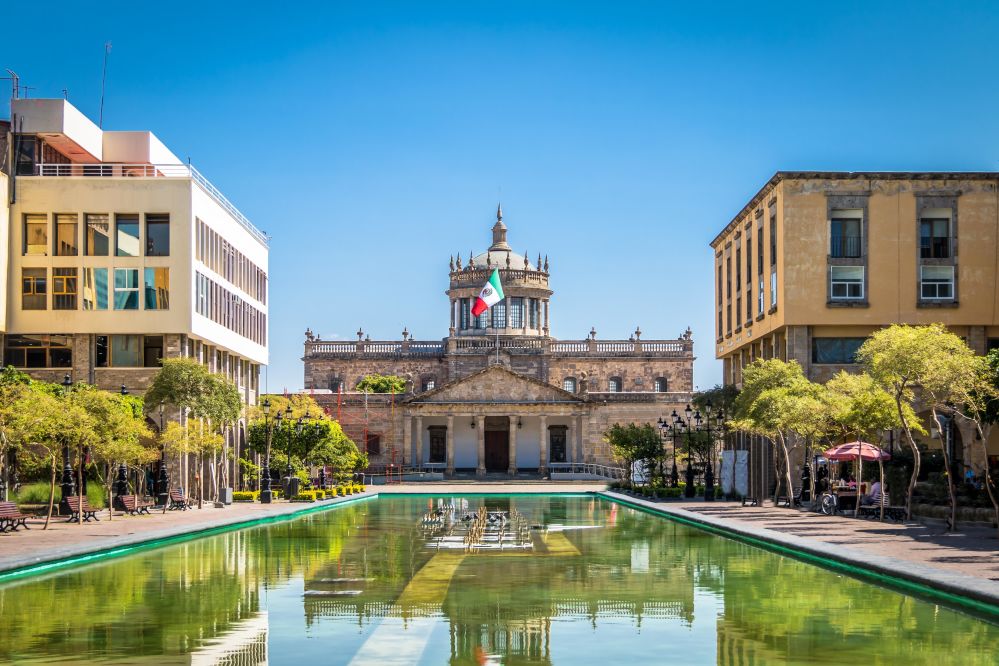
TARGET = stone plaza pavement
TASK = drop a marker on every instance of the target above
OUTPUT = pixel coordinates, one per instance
(924, 552)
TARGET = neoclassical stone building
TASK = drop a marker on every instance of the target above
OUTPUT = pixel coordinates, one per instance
(499, 394)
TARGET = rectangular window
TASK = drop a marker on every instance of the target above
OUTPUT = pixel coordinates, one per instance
(373, 444)
(466, 314)
(97, 241)
(152, 350)
(760, 298)
(721, 324)
(156, 283)
(499, 314)
(749, 257)
(846, 282)
(66, 243)
(126, 235)
(34, 289)
(157, 235)
(556, 444)
(517, 312)
(64, 288)
(36, 234)
(749, 302)
(38, 351)
(126, 289)
(738, 310)
(936, 283)
(533, 313)
(125, 351)
(26, 149)
(721, 289)
(728, 277)
(845, 237)
(759, 249)
(934, 238)
(438, 444)
(773, 287)
(95, 289)
(738, 268)
(728, 318)
(773, 239)
(835, 350)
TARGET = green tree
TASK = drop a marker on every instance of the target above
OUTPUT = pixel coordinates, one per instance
(13, 386)
(778, 402)
(910, 363)
(632, 442)
(382, 384)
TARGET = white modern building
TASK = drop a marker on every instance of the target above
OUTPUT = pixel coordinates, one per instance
(117, 254)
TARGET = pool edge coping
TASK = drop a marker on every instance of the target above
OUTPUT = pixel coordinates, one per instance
(905, 576)
(34, 565)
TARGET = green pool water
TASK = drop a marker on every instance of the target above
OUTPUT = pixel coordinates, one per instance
(578, 580)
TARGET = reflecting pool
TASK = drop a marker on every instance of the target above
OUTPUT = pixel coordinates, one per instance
(474, 580)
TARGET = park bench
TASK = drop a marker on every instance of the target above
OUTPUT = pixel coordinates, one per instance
(133, 505)
(89, 513)
(873, 510)
(11, 518)
(178, 501)
(793, 500)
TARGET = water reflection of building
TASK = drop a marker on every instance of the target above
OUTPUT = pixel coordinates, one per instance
(585, 576)
(243, 644)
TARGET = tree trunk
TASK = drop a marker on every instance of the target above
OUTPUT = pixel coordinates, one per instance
(777, 474)
(48, 516)
(915, 457)
(952, 522)
(983, 436)
(787, 472)
(79, 486)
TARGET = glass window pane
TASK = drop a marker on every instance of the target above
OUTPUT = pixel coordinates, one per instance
(152, 351)
(517, 312)
(101, 355)
(126, 289)
(36, 237)
(499, 315)
(95, 289)
(157, 235)
(98, 235)
(66, 244)
(127, 235)
(157, 287)
(64, 288)
(125, 351)
(34, 289)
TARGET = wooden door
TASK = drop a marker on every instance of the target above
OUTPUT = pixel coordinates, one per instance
(497, 450)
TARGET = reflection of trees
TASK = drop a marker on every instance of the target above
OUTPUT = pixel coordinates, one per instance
(168, 600)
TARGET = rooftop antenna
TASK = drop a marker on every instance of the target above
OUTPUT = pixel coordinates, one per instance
(104, 78)
(26, 89)
(65, 94)
(14, 82)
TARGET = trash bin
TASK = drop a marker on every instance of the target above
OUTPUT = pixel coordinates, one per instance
(291, 486)
(226, 496)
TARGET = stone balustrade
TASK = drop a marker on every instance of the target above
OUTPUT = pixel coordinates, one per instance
(512, 344)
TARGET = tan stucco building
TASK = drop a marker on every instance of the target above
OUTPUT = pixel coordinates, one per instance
(499, 394)
(817, 261)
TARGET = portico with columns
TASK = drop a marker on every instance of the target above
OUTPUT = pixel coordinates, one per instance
(495, 421)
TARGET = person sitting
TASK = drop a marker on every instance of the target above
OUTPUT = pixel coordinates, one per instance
(874, 496)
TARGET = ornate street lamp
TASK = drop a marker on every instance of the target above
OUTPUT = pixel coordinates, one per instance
(162, 479)
(668, 432)
(322, 468)
(68, 485)
(265, 472)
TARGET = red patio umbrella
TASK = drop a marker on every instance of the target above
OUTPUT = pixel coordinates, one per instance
(861, 451)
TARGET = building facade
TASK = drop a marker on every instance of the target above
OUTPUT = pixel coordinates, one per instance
(817, 261)
(118, 255)
(499, 394)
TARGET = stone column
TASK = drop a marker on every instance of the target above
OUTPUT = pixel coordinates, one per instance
(570, 440)
(513, 445)
(480, 465)
(578, 438)
(450, 444)
(543, 462)
(546, 314)
(419, 442)
(587, 454)
(407, 438)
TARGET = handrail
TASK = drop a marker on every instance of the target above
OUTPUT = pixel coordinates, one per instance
(115, 170)
(595, 469)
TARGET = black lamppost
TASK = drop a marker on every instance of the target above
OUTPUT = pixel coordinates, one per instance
(162, 479)
(685, 426)
(265, 473)
(668, 432)
(121, 483)
(68, 485)
(713, 429)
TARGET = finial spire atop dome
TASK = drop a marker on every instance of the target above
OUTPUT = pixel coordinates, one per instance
(499, 232)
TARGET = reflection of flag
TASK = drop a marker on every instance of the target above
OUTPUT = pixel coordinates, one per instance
(490, 295)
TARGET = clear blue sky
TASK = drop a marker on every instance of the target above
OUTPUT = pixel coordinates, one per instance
(372, 140)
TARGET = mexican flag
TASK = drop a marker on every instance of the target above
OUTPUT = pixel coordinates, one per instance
(490, 295)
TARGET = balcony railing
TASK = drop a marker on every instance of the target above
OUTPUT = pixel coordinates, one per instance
(845, 246)
(487, 344)
(151, 171)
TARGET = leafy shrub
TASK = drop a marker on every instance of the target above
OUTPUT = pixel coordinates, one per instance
(304, 497)
(35, 493)
(245, 496)
(382, 384)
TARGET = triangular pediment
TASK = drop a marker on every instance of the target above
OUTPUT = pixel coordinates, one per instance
(496, 384)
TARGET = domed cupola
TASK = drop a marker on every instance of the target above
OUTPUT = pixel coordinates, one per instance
(525, 308)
